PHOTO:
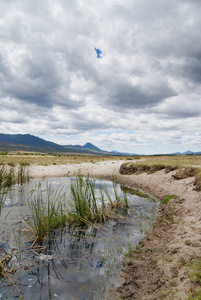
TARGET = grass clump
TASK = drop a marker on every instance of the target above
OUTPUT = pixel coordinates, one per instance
(52, 209)
(6, 177)
(197, 182)
(46, 215)
(126, 189)
(168, 198)
(85, 208)
(22, 175)
(118, 199)
(88, 207)
(6, 180)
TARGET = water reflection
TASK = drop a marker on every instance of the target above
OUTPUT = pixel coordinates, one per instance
(78, 263)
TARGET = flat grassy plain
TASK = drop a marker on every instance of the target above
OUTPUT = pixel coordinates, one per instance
(169, 160)
(49, 159)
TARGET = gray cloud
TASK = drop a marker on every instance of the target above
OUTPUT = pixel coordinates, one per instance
(149, 71)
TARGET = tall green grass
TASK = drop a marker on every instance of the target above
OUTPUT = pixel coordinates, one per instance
(6, 180)
(2, 195)
(23, 175)
(118, 197)
(84, 202)
(51, 208)
(46, 214)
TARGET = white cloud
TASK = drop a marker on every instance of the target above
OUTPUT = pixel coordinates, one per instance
(142, 93)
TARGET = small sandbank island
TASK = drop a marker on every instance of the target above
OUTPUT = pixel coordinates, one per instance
(166, 262)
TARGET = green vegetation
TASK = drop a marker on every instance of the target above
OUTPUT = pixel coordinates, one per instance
(198, 181)
(22, 175)
(84, 203)
(49, 159)
(46, 215)
(11, 164)
(8, 178)
(168, 198)
(2, 188)
(194, 274)
(85, 208)
(126, 189)
(196, 297)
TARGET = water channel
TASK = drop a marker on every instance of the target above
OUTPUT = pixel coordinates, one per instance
(77, 263)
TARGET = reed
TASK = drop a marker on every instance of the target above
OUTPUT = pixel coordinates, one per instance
(85, 207)
(118, 199)
(46, 215)
(105, 190)
(51, 209)
(2, 196)
(8, 177)
(6, 180)
(84, 204)
(22, 175)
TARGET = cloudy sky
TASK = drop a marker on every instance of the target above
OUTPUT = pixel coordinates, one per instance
(121, 74)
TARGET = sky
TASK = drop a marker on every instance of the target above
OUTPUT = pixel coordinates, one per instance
(123, 75)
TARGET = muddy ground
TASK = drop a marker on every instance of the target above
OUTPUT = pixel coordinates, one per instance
(163, 266)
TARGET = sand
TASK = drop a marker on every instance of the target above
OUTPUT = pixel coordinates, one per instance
(161, 265)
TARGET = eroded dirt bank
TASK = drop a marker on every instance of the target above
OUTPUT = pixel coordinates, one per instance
(160, 267)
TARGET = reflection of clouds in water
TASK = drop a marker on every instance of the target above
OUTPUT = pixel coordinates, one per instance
(84, 258)
(56, 183)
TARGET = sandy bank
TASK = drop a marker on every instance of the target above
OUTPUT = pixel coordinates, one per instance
(102, 169)
(158, 268)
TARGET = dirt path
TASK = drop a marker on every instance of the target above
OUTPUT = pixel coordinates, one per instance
(161, 266)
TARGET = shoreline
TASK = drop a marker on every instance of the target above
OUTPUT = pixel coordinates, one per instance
(157, 269)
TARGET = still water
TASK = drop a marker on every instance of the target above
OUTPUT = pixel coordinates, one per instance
(79, 263)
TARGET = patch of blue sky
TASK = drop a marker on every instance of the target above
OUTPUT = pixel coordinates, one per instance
(98, 53)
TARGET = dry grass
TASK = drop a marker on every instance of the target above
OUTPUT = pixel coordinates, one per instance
(45, 159)
(177, 160)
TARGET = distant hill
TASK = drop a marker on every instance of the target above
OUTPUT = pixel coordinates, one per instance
(27, 142)
(188, 152)
(31, 143)
(91, 147)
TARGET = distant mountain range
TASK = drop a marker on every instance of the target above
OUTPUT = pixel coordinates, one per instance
(187, 153)
(31, 143)
(27, 142)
